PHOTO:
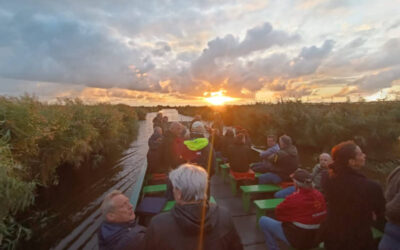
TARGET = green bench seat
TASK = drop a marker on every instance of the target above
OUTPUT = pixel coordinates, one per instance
(150, 189)
(253, 189)
(170, 204)
(266, 205)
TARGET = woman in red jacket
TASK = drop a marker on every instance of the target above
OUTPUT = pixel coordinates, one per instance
(298, 216)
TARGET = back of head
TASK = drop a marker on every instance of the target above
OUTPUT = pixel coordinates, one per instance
(341, 154)
(198, 128)
(191, 181)
(302, 178)
(229, 133)
(175, 128)
(286, 140)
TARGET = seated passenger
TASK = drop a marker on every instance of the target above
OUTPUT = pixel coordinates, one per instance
(391, 237)
(199, 148)
(239, 155)
(119, 229)
(285, 162)
(157, 121)
(354, 201)
(171, 147)
(164, 124)
(193, 223)
(227, 141)
(320, 171)
(298, 217)
(154, 161)
(265, 164)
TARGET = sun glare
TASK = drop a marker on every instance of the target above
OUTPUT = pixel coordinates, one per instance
(218, 98)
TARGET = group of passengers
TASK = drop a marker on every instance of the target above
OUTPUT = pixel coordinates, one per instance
(334, 204)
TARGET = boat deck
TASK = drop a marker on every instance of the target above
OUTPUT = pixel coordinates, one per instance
(251, 236)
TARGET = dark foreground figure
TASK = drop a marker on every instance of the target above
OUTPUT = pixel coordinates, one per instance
(354, 201)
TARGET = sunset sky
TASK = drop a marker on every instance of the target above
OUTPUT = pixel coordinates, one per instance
(183, 51)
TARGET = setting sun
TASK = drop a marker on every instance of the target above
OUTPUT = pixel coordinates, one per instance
(218, 98)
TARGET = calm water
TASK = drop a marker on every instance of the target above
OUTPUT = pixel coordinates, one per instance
(77, 202)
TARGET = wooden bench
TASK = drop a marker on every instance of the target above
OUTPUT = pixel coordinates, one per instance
(234, 180)
(254, 189)
(170, 204)
(151, 189)
(263, 206)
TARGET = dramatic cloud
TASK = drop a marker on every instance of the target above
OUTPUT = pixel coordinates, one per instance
(177, 50)
(378, 81)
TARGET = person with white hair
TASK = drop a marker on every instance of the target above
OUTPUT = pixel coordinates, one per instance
(193, 223)
(119, 229)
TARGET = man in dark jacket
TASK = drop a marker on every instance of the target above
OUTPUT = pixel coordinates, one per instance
(171, 147)
(239, 155)
(119, 229)
(285, 162)
(193, 223)
(154, 161)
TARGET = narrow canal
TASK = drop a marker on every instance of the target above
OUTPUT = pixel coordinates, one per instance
(77, 203)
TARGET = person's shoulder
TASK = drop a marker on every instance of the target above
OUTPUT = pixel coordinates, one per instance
(162, 217)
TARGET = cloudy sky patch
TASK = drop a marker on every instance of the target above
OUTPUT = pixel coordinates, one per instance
(174, 51)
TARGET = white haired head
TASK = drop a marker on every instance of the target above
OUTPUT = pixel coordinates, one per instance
(189, 182)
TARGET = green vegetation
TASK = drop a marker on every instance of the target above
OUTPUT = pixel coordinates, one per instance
(317, 127)
(36, 138)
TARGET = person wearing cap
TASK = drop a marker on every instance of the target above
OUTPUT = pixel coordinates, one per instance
(355, 202)
(298, 217)
(200, 150)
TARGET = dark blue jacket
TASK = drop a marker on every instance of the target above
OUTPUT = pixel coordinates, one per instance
(120, 236)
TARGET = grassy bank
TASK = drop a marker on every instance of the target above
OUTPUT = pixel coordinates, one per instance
(316, 128)
(37, 138)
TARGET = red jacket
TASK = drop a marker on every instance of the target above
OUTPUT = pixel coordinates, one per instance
(306, 206)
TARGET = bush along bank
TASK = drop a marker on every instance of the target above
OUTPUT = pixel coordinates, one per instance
(36, 138)
(315, 128)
